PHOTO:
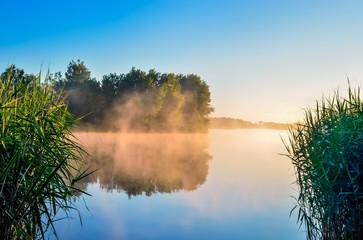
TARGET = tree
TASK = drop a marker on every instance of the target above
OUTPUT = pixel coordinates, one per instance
(197, 105)
(84, 92)
(168, 104)
(141, 101)
(84, 100)
(110, 89)
(135, 81)
(17, 75)
(77, 72)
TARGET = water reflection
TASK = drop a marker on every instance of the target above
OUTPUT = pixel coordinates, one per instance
(245, 196)
(146, 163)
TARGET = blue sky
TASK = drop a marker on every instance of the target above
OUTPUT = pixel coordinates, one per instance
(263, 60)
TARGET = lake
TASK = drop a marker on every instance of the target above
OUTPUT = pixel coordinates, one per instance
(227, 184)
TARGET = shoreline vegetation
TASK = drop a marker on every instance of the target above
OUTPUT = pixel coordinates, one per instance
(233, 123)
(327, 151)
(214, 123)
(136, 101)
(139, 101)
(40, 162)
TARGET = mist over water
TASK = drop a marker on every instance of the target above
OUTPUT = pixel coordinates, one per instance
(227, 184)
(139, 163)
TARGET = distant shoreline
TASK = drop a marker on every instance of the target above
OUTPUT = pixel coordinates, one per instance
(233, 123)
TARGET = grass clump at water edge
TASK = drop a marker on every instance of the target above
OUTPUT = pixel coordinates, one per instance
(327, 153)
(39, 159)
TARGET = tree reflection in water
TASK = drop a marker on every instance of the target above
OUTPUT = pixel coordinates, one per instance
(146, 163)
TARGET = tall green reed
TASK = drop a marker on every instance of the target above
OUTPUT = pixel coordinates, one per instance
(40, 160)
(327, 153)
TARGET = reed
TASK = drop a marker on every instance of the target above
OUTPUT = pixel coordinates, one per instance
(39, 159)
(327, 153)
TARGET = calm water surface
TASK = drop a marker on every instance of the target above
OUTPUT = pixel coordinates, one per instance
(228, 184)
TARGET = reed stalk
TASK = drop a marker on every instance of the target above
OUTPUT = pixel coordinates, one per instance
(39, 159)
(327, 153)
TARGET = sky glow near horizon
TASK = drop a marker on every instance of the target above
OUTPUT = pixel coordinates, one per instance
(263, 60)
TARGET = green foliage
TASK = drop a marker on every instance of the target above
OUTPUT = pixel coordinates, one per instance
(17, 75)
(83, 92)
(39, 159)
(83, 99)
(77, 72)
(197, 103)
(109, 88)
(327, 151)
(138, 100)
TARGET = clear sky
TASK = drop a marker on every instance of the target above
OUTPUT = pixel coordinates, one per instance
(263, 60)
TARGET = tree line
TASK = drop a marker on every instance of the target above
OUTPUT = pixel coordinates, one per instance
(135, 101)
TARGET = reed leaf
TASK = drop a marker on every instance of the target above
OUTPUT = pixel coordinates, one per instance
(40, 161)
(327, 151)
